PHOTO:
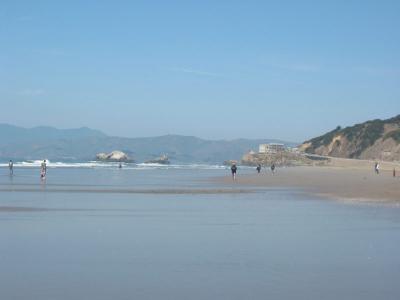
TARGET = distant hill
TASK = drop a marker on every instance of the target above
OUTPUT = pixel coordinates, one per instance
(376, 139)
(83, 144)
(11, 134)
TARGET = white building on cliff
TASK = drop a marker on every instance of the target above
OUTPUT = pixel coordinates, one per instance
(271, 148)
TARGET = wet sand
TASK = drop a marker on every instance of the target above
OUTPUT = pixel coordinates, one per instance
(100, 234)
(5, 209)
(172, 191)
(344, 179)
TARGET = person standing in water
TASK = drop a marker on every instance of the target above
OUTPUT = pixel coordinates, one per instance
(233, 170)
(258, 168)
(11, 167)
(43, 169)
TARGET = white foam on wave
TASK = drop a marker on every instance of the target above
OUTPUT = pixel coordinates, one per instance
(114, 165)
(31, 163)
(37, 163)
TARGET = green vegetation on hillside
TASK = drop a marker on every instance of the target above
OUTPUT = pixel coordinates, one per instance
(364, 135)
(324, 140)
(395, 134)
(395, 120)
(360, 136)
(369, 131)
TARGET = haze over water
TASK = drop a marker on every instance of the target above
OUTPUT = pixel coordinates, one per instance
(267, 244)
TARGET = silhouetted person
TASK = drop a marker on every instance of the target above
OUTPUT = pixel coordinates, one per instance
(258, 168)
(11, 167)
(233, 170)
(43, 169)
(273, 168)
(394, 172)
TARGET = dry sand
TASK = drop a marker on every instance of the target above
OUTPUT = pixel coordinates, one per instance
(342, 179)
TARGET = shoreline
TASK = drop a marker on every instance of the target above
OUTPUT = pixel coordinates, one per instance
(342, 179)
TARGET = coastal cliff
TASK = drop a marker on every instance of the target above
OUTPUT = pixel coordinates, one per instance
(284, 158)
(375, 140)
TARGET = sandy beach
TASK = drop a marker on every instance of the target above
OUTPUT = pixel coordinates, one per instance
(345, 179)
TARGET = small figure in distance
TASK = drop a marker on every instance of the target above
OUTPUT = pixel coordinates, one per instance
(11, 167)
(377, 168)
(258, 168)
(394, 172)
(120, 166)
(233, 170)
(43, 170)
(273, 168)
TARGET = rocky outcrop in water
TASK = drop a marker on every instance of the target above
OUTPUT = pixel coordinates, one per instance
(114, 156)
(163, 160)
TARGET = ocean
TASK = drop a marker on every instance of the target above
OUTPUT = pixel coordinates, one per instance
(174, 232)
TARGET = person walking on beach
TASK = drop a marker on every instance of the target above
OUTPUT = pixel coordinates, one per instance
(11, 167)
(273, 169)
(43, 169)
(233, 170)
(394, 172)
(258, 168)
(377, 168)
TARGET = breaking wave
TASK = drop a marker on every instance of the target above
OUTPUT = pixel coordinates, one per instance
(114, 165)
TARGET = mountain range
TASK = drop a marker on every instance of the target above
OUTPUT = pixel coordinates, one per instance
(374, 140)
(83, 144)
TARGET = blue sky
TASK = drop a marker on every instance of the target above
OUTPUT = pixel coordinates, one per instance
(214, 69)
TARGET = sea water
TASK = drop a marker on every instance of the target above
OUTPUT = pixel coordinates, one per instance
(265, 244)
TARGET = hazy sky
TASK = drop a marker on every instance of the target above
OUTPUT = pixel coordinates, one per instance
(215, 69)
